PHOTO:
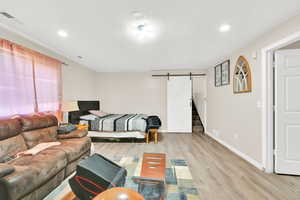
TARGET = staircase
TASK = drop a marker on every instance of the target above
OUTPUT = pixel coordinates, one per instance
(197, 123)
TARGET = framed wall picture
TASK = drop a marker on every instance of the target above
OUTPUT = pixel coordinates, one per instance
(225, 70)
(218, 75)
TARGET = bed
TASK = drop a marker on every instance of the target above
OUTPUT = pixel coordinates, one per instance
(110, 125)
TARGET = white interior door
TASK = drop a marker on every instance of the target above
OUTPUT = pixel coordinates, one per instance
(179, 106)
(287, 111)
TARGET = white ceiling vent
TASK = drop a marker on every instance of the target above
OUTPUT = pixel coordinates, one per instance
(10, 18)
(7, 15)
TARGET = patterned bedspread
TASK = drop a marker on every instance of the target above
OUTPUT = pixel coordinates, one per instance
(120, 122)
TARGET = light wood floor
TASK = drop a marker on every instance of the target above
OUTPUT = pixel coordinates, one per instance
(218, 173)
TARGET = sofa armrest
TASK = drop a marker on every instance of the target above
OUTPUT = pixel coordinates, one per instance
(73, 134)
(6, 169)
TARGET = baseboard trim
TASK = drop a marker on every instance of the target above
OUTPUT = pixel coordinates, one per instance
(237, 152)
(162, 131)
(168, 132)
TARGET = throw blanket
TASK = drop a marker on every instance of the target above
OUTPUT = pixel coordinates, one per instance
(120, 122)
(38, 148)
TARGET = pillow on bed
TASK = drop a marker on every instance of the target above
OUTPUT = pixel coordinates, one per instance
(88, 117)
(98, 113)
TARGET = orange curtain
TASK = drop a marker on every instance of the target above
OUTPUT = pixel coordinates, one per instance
(30, 81)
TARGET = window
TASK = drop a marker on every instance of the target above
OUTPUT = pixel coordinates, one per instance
(30, 82)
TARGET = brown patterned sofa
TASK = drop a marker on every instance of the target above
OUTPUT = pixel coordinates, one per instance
(33, 177)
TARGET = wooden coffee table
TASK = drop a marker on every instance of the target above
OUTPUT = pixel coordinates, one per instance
(152, 175)
(154, 166)
(113, 193)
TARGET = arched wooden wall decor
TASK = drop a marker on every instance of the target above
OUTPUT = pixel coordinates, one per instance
(242, 81)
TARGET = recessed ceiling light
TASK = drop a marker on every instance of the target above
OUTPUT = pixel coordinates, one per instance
(224, 28)
(62, 33)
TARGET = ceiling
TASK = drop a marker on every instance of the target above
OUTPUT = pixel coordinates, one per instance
(188, 35)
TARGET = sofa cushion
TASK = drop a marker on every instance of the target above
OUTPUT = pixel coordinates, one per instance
(74, 148)
(11, 146)
(38, 136)
(10, 128)
(47, 162)
(38, 122)
(18, 183)
(33, 171)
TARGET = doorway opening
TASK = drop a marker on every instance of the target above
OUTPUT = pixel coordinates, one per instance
(186, 103)
(197, 124)
(269, 78)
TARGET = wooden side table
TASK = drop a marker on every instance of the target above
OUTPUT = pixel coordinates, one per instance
(153, 131)
(112, 194)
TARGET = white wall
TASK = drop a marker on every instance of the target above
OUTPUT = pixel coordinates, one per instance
(78, 81)
(235, 119)
(132, 93)
(135, 92)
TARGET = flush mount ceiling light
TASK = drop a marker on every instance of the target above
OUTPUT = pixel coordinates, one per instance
(62, 33)
(224, 28)
(142, 30)
(141, 27)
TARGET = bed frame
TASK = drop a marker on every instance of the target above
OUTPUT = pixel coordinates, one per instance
(84, 107)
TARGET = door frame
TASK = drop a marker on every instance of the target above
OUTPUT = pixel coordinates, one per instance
(268, 97)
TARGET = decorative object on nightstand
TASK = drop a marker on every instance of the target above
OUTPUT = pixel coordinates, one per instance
(67, 107)
(84, 127)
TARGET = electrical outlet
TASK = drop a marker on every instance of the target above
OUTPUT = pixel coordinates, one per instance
(217, 133)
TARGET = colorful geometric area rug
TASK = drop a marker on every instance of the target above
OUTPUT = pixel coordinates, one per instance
(179, 181)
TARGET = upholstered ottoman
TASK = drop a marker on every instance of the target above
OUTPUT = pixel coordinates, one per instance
(96, 174)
